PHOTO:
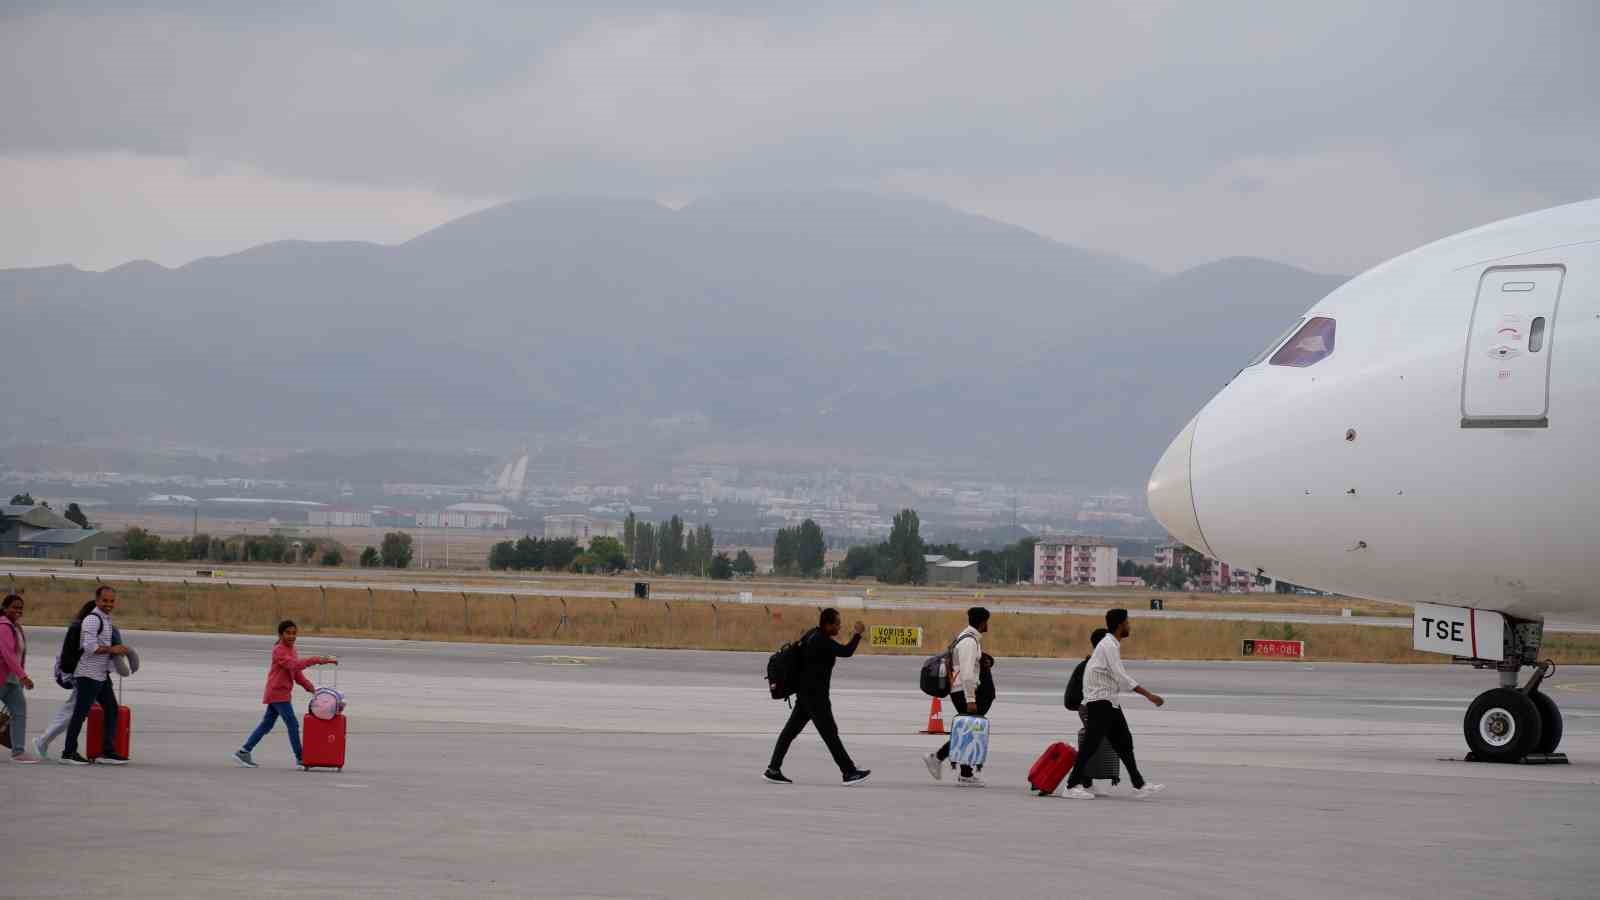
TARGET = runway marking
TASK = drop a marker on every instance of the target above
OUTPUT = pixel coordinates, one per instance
(564, 660)
(341, 784)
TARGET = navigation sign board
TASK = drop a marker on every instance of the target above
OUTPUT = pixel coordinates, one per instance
(1275, 649)
(895, 636)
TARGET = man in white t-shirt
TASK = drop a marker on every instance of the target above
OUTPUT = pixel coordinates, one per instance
(1104, 678)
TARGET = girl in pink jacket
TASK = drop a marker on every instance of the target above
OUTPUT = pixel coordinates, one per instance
(14, 675)
(287, 669)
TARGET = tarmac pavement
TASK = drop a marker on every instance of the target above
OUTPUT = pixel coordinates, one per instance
(501, 770)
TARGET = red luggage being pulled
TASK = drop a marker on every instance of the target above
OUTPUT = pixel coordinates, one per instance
(1052, 767)
(94, 743)
(323, 743)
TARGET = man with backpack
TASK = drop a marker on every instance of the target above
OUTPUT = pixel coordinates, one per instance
(971, 688)
(815, 653)
(1074, 696)
(96, 648)
(1104, 678)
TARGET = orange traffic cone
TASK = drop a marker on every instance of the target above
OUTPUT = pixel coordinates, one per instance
(935, 718)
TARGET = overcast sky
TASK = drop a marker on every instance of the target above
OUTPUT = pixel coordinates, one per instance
(1329, 135)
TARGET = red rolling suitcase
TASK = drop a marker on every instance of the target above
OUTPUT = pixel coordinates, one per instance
(94, 742)
(323, 742)
(1051, 767)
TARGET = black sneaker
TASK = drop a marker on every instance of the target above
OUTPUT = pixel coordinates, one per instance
(776, 777)
(857, 776)
(71, 758)
(111, 759)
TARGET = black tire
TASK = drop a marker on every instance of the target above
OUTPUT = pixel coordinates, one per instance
(1550, 722)
(1502, 725)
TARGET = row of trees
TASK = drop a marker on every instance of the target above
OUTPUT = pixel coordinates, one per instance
(531, 553)
(669, 547)
(272, 548)
(799, 550)
(395, 554)
(902, 558)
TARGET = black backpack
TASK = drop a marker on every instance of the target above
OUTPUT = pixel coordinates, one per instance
(72, 646)
(783, 668)
(1074, 698)
(935, 680)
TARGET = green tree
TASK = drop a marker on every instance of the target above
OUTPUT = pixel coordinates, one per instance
(175, 551)
(903, 563)
(786, 552)
(644, 547)
(559, 553)
(630, 534)
(76, 515)
(675, 559)
(370, 558)
(721, 567)
(333, 556)
(22, 500)
(608, 554)
(691, 553)
(502, 555)
(859, 561)
(811, 549)
(708, 546)
(142, 544)
(744, 563)
(528, 553)
(200, 546)
(396, 550)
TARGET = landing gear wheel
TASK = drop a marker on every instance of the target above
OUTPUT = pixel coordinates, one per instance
(1550, 720)
(1502, 725)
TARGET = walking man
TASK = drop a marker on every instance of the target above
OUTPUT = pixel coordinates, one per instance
(1103, 681)
(818, 650)
(971, 688)
(94, 681)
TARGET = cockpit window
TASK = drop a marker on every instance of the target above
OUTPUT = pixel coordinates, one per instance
(1267, 350)
(1310, 345)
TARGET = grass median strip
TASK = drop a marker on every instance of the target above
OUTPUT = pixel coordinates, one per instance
(399, 614)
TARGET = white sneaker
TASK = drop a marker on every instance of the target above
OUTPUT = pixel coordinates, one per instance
(40, 748)
(935, 766)
(969, 781)
(1148, 791)
(1076, 793)
(1099, 791)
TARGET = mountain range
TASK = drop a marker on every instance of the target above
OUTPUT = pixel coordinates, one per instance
(845, 325)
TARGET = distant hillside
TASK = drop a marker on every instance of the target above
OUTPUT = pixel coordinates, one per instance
(883, 324)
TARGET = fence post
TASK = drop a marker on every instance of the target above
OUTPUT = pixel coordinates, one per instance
(716, 625)
(277, 611)
(466, 615)
(324, 623)
(668, 606)
(413, 610)
(563, 615)
(188, 605)
(369, 609)
(513, 615)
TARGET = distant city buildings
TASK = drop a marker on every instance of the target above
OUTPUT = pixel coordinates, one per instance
(340, 517)
(580, 528)
(1215, 575)
(1077, 561)
(467, 515)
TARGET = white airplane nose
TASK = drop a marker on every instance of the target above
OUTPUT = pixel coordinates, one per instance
(1169, 493)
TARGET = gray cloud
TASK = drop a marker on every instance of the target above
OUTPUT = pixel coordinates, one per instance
(1170, 106)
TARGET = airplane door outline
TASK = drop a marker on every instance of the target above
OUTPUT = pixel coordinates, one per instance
(1505, 381)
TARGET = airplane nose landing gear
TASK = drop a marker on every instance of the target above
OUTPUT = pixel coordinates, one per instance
(1515, 725)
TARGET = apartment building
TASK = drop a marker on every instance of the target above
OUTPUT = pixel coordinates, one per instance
(1079, 561)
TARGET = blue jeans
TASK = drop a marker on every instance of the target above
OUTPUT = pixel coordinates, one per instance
(274, 712)
(16, 701)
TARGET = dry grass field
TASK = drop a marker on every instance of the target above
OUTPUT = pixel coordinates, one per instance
(208, 606)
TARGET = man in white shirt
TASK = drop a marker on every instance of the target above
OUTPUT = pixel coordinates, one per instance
(967, 695)
(1103, 681)
(94, 681)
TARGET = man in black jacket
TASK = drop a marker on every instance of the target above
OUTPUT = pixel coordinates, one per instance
(818, 650)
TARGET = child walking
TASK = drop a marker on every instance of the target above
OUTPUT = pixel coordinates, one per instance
(287, 669)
